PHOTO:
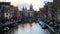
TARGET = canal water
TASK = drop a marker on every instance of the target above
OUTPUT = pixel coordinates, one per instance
(27, 28)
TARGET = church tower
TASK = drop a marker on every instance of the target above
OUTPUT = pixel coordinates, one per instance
(31, 7)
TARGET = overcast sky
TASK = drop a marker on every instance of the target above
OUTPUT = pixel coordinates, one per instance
(20, 3)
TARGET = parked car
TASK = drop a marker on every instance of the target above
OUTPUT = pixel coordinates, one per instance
(43, 25)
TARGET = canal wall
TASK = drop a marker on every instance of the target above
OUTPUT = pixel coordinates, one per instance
(51, 29)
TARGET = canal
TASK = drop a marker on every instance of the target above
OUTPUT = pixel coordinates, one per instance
(27, 28)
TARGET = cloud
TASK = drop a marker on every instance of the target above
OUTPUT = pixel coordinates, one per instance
(36, 3)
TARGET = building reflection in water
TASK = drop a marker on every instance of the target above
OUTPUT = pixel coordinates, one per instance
(33, 28)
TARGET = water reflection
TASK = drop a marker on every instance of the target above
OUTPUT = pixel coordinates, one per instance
(27, 28)
(33, 28)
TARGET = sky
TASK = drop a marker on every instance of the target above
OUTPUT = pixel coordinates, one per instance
(26, 3)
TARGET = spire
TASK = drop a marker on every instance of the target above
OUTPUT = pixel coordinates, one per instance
(23, 9)
(31, 7)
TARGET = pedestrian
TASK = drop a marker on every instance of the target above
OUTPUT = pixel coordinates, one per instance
(18, 17)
